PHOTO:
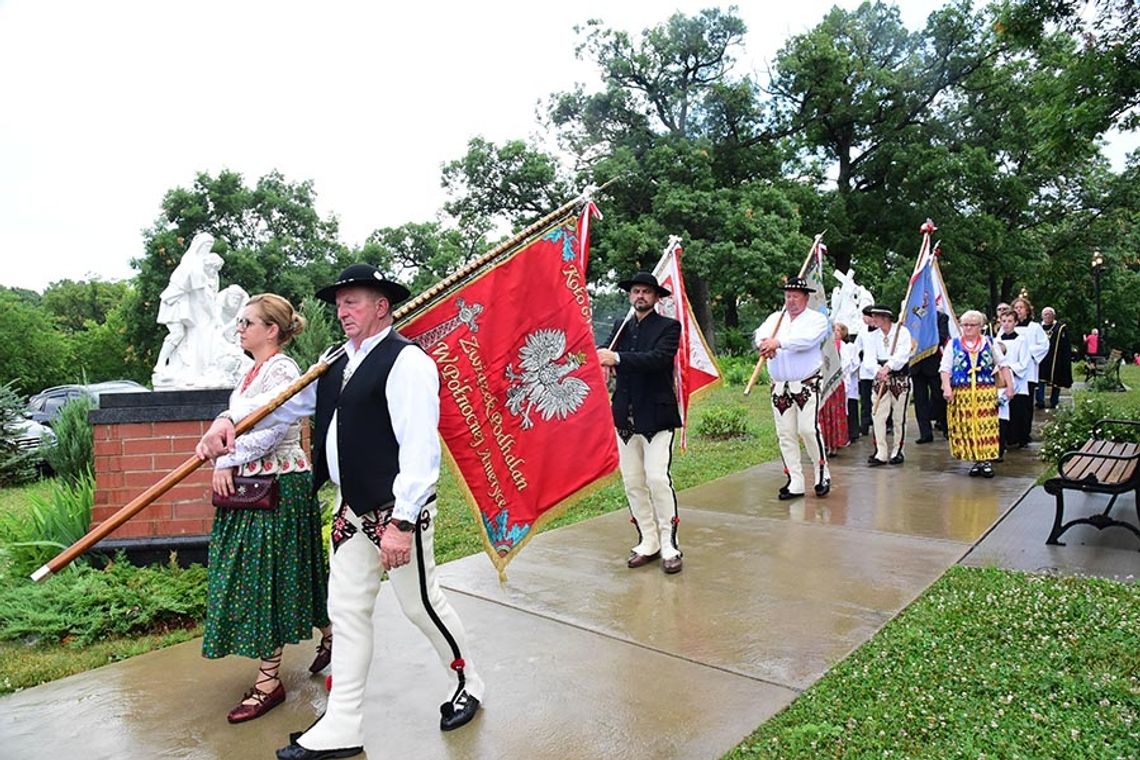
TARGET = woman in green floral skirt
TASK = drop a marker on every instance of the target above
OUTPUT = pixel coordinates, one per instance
(268, 582)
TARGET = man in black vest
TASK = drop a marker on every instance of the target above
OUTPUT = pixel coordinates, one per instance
(645, 414)
(377, 417)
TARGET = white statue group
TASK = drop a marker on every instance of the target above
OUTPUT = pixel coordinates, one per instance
(848, 300)
(201, 350)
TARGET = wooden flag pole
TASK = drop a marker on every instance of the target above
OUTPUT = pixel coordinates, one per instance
(760, 363)
(924, 250)
(173, 478)
(147, 497)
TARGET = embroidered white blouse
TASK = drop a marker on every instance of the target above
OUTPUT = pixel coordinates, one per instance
(274, 449)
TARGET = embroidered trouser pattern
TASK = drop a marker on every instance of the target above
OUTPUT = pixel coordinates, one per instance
(354, 583)
(649, 491)
(795, 406)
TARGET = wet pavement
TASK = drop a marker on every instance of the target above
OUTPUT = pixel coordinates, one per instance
(586, 658)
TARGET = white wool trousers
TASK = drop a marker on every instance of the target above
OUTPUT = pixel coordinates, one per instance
(649, 491)
(795, 406)
(893, 403)
(354, 584)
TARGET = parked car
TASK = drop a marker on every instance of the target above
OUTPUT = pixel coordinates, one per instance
(32, 436)
(44, 407)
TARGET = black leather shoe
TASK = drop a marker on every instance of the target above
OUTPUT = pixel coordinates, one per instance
(823, 489)
(296, 752)
(458, 712)
(897, 459)
(873, 462)
(639, 560)
(926, 439)
(785, 495)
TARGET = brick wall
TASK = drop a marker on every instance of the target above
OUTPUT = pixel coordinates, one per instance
(131, 457)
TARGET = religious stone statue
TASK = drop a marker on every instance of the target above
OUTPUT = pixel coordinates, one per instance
(848, 300)
(229, 362)
(191, 309)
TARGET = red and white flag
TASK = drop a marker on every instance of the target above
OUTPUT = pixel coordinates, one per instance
(524, 412)
(694, 368)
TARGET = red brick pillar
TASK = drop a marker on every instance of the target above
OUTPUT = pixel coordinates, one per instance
(139, 439)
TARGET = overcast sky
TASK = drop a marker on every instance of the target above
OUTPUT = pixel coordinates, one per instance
(105, 106)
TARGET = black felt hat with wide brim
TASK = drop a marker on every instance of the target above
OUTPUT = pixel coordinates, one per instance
(365, 275)
(645, 278)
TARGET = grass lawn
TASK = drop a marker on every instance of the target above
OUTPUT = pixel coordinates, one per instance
(986, 664)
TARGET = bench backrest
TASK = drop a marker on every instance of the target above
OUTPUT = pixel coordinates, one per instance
(1100, 469)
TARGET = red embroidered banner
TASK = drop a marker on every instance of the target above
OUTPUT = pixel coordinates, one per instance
(524, 412)
(694, 368)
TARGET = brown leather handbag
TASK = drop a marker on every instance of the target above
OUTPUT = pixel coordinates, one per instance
(250, 492)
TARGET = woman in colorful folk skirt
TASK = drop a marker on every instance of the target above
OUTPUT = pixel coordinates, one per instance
(833, 411)
(267, 580)
(968, 369)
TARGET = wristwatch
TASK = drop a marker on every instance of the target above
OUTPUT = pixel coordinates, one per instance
(226, 416)
(404, 526)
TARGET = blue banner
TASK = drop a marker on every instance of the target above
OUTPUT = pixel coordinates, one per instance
(920, 314)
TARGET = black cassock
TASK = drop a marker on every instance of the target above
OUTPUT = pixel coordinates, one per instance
(1057, 366)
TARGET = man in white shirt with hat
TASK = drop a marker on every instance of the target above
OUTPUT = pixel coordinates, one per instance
(790, 340)
(377, 419)
(892, 348)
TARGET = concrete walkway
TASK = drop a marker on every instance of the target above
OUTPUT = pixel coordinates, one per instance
(585, 658)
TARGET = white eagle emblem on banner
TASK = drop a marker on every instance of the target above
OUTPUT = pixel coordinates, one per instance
(543, 382)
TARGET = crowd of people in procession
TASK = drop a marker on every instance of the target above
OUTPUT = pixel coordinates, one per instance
(377, 410)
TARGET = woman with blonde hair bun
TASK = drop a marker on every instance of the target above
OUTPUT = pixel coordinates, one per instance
(267, 582)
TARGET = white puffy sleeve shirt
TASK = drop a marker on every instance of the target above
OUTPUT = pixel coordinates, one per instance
(799, 355)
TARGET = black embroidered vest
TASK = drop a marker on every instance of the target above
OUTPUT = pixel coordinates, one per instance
(368, 453)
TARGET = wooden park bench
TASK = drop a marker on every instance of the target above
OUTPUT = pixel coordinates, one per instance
(1100, 466)
(1101, 366)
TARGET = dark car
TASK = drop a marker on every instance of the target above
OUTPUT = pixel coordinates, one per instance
(44, 407)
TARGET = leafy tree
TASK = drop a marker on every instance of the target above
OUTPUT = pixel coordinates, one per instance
(102, 351)
(685, 139)
(515, 180)
(419, 254)
(73, 303)
(33, 353)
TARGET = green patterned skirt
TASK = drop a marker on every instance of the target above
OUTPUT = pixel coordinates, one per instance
(267, 579)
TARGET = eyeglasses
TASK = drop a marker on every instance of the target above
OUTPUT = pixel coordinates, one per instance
(243, 323)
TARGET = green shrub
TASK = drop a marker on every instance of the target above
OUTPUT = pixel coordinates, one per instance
(16, 466)
(723, 422)
(735, 342)
(89, 604)
(1072, 426)
(737, 369)
(73, 454)
(49, 526)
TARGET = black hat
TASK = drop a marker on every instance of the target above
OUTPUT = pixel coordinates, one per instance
(644, 278)
(365, 274)
(878, 310)
(798, 283)
(867, 310)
